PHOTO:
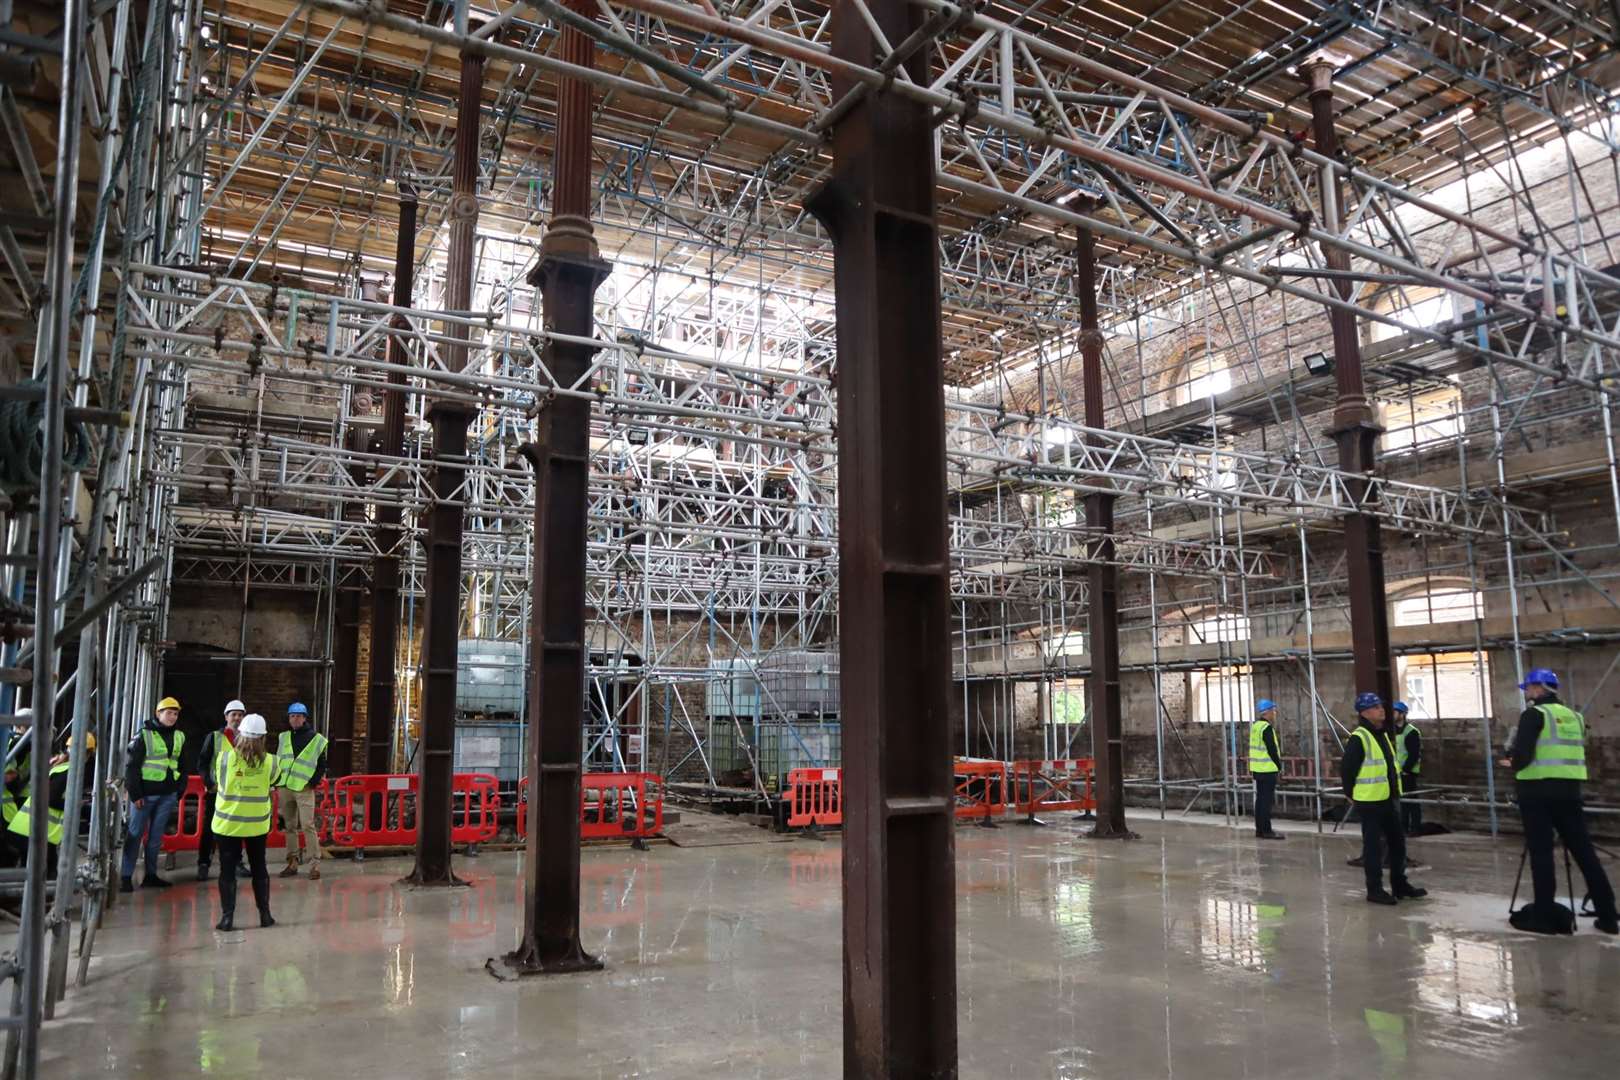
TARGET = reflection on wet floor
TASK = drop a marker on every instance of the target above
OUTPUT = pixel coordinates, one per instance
(1190, 952)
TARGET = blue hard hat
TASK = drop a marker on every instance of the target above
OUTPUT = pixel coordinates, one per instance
(297, 709)
(1544, 676)
(1367, 700)
(1401, 706)
(1265, 704)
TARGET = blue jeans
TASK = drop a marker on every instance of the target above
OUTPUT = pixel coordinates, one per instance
(152, 818)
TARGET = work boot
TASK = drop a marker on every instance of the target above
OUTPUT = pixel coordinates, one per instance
(1271, 835)
(227, 921)
(290, 870)
(1609, 924)
(152, 881)
(315, 872)
(126, 885)
(1405, 890)
(1353, 862)
(261, 896)
(202, 871)
(1381, 897)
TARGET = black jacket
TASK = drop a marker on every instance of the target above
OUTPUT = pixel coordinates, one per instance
(140, 789)
(1355, 754)
(1524, 751)
(300, 739)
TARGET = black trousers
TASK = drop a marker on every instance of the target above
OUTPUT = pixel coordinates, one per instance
(1411, 812)
(1566, 818)
(1265, 792)
(1381, 825)
(230, 858)
(205, 842)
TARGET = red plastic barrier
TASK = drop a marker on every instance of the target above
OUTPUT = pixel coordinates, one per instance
(815, 797)
(379, 810)
(611, 805)
(1053, 784)
(185, 827)
(981, 788)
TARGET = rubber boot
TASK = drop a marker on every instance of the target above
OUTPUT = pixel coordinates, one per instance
(227, 906)
(261, 894)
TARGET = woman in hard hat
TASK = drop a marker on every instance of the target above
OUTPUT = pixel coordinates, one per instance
(56, 806)
(154, 777)
(213, 745)
(243, 778)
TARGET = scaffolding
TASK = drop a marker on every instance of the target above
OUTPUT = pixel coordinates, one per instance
(224, 292)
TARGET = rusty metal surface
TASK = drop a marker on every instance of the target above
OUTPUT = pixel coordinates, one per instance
(441, 620)
(385, 568)
(899, 909)
(1102, 686)
(567, 275)
(1356, 432)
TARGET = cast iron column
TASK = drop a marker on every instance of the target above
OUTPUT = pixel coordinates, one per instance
(568, 273)
(1102, 579)
(441, 618)
(894, 571)
(345, 650)
(1356, 430)
(385, 569)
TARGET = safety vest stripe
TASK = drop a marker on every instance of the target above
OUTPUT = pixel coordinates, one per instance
(247, 819)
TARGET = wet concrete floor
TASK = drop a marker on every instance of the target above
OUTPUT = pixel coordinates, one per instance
(1196, 951)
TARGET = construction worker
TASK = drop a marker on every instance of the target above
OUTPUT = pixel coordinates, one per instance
(301, 762)
(1264, 763)
(154, 778)
(1372, 782)
(21, 823)
(1549, 762)
(13, 792)
(243, 778)
(213, 744)
(1409, 756)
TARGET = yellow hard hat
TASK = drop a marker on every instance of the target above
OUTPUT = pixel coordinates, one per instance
(89, 742)
(168, 703)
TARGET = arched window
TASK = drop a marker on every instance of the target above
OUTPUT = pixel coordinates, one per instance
(1203, 375)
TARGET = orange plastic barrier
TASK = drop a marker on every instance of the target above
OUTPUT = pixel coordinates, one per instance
(1053, 785)
(379, 810)
(185, 827)
(981, 788)
(815, 797)
(611, 805)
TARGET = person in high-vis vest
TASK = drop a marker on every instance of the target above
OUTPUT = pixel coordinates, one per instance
(154, 777)
(1372, 783)
(1264, 764)
(243, 806)
(14, 792)
(1549, 763)
(301, 757)
(22, 823)
(213, 744)
(1409, 757)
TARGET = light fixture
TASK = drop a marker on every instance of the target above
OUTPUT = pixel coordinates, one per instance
(1318, 363)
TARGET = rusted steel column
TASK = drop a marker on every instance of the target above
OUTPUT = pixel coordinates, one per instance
(568, 273)
(345, 651)
(1356, 430)
(894, 598)
(1102, 578)
(385, 568)
(441, 619)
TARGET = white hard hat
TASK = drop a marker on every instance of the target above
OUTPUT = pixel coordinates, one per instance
(252, 724)
(235, 706)
(23, 712)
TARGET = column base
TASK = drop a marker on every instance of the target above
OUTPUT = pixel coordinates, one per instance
(526, 959)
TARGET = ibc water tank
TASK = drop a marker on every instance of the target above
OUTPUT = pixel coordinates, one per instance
(489, 678)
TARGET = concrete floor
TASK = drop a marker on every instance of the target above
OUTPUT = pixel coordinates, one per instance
(1193, 952)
